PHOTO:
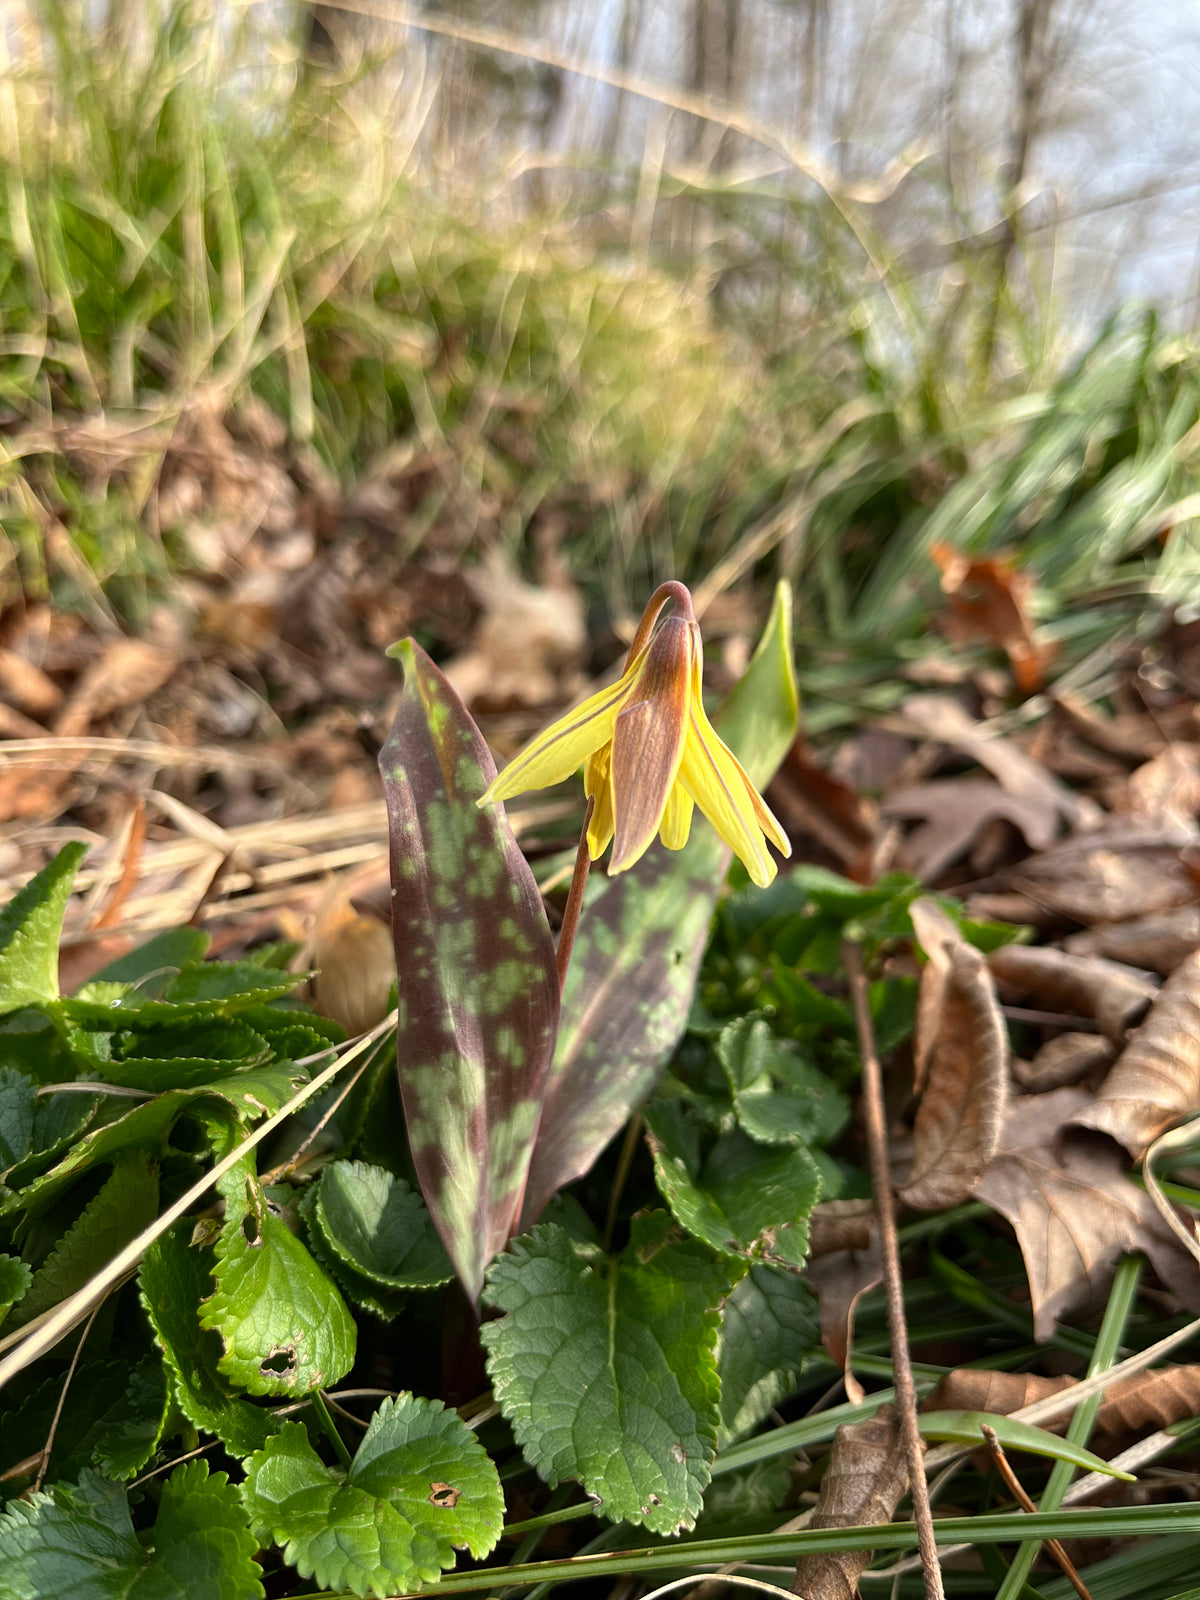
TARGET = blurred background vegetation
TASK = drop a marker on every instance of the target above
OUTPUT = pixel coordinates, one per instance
(718, 289)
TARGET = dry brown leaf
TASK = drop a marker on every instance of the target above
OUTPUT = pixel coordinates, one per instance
(1067, 1058)
(1156, 1079)
(845, 1265)
(942, 718)
(527, 640)
(1158, 942)
(961, 1051)
(989, 597)
(26, 687)
(1001, 1393)
(124, 674)
(954, 811)
(356, 965)
(1126, 868)
(861, 1487)
(1075, 1210)
(1167, 787)
(809, 799)
(1084, 986)
(1135, 737)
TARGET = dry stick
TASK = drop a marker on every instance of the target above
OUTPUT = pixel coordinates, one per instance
(62, 1400)
(881, 1180)
(579, 878)
(1004, 1468)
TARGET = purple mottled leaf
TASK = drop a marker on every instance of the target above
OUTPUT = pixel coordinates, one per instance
(633, 970)
(478, 992)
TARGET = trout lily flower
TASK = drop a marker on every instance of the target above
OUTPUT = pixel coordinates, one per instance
(650, 754)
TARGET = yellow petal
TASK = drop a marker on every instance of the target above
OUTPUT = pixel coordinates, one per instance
(713, 776)
(648, 741)
(597, 785)
(677, 819)
(564, 746)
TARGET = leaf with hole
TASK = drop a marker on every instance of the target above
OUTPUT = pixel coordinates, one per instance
(285, 1327)
(420, 1487)
(607, 1372)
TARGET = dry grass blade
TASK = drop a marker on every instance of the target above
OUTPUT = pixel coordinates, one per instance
(962, 1060)
(862, 1485)
(1156, 1080)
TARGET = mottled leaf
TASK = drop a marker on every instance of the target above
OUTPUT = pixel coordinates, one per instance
(608, 1373)
(1156, 1080)
(285, 1327)
(175, 1277)
(961, 1051)
(769, 1327)
(478, 987)
(30, 929)
(633, 970)
(78, 1543)
(419, 1488)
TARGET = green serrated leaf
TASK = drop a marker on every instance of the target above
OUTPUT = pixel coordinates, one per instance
(610, 1377)
(964, 1427)
(478, 985)
(360, 1291)
(420, 1486)
(175, 1277)
(17, 1102)
(78, 1543)
(126, 1204)
(741, 1197)
(15, 1278)
(778, 1097)
(633, 970)
(229, 985)
(285, 1327)
(375, 1223)
(770, 1324)
(186, 1056)
(30, 930)
(111, 1419)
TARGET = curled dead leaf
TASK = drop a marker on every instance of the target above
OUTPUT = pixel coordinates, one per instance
(1158, 942)
(1074, 1210)
(961, 1054)
(1001, 1393)
(990, 597)
(1085, 986)
(955, 811)
(1127, 868)
(1156, 1079)
(845, 1264)
(1167, 786)
(861, 1487)
(1139, 1403)
(1067, 1058)
(840, 1225)
(356, 966)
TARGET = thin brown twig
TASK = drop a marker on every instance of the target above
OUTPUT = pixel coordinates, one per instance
(579, 878)
(1004, 1468)
(881, 1181)
(62, 1400)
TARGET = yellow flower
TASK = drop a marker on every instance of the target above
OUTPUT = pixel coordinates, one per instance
(650, 754)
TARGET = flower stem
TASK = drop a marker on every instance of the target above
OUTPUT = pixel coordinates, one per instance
(329, 1428)
(579, 878)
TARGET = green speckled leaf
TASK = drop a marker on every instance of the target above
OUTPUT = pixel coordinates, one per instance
(478, 990)
(78, 1543)
(30, 927)
(609, 1377)
(633, 971)
(419, 1488)
(285, 1327)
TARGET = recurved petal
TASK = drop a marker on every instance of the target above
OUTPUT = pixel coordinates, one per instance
(648, 741)
(564, 746)
(597, 785)
(714, 778)
(677, 819)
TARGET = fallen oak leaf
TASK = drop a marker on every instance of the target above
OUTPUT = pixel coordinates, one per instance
(1156, 1079)
(954, 812)
(961, 1052)
(1126, 868)
(1115, 996)
(861, 1487)
(1067, 1058)
(1074, 1210)
(990, 597)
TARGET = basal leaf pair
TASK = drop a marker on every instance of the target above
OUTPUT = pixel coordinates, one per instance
(508, 1092)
